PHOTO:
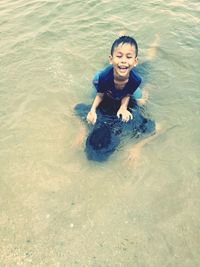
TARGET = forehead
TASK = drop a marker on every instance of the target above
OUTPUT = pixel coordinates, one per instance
(125, 49)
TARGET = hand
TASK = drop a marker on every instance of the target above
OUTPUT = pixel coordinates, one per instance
(134, 153)
(92, 117)
(124, 114)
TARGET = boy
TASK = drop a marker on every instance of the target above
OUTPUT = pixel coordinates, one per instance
(114, 112)
(118, 82)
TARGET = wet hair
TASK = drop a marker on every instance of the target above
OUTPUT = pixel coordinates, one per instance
(124, 40)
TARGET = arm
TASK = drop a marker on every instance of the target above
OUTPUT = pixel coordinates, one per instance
(123, 112)
(145, 95)
(79, 139)
(92, 115)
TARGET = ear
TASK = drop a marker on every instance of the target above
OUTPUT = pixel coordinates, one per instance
(110, 60)
(136, 62)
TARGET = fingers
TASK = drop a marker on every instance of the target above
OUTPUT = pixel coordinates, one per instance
(130, 116)
(94, 120)
(119, 115)
(126, 116)
(91, 118)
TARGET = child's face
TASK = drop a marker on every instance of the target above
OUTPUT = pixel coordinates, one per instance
(123, 60)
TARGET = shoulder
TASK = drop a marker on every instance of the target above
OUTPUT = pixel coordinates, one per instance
(102, 77)
(106, 73)
(135, 78)
(105, 79)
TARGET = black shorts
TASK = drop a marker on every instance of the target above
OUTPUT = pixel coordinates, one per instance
(105, 135)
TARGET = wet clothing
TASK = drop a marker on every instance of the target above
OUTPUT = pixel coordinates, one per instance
(105, 135)
(104, 83)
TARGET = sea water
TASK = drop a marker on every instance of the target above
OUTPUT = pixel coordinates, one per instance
(59, 209)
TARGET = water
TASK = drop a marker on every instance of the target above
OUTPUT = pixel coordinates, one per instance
(58, 209)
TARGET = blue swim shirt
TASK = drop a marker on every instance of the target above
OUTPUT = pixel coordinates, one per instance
(106, 84)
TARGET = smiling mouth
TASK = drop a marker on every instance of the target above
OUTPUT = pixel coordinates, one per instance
(123, 68)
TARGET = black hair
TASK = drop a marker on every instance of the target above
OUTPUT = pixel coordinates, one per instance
(124, 40)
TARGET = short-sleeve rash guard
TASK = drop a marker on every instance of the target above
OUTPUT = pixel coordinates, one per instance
(106, 84)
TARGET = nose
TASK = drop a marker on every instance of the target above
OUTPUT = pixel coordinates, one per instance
(123, 59)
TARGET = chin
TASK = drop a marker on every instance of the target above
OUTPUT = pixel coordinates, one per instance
(123, 75)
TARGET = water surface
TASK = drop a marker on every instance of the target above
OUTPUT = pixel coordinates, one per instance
(57, 208)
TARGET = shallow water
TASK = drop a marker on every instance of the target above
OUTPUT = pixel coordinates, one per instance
(57, 208)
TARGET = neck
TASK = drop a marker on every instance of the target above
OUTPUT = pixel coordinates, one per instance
(118, 78)
(120, 83)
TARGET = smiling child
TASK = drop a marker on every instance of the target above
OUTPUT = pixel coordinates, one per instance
(117, 83)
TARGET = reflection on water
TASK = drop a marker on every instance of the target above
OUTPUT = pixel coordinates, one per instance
(58, 208)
